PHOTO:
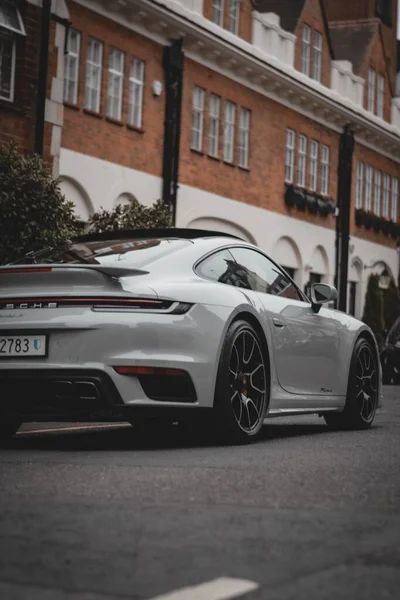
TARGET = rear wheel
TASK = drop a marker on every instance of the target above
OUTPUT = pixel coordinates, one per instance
(242, 388)
(362, 391)
(8, 427)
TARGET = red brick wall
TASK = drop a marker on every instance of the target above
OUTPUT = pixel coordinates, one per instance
(97, 136)
(17, 119)
(263, 184)
(312, 16)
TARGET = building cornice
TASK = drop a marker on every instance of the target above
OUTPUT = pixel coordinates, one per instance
(238, 59)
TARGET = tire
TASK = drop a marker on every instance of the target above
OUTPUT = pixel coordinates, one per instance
(362, 391)
(8, 428)
(242, 387)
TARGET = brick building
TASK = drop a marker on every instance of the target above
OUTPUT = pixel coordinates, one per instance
(233, 112)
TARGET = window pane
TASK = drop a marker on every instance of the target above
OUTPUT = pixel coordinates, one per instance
(219, 267)
(71, 67)
(115, 84)
(386, 196)
(255, 271)
(234, 12)
(229, 132)
(377, 192)
(289, 159)
(325, 157)
(371, 90)
(313, 165)
(381, 96)
(302, 157)
(7, 67)
(10, 17)
(218, 12)
(360, 184)
(213, 139)
(93, 75)
(306, 46)
(395, 198)
(317, 64)
(197, 118)
(136, 82)
(244, 135)
(368, 188)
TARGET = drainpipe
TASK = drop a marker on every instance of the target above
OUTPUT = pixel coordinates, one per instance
(42, 81)
(346, 150)
(173, 61)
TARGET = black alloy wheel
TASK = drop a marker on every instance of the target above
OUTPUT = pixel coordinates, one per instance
(242, 389)
(362, 392)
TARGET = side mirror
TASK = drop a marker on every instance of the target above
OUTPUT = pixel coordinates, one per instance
(321, 293)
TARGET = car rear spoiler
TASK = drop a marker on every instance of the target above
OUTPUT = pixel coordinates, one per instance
(109, 271)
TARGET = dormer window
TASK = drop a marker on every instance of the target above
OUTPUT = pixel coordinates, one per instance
(218, 12)
(11, 25)
(311, 53)
(233, 16)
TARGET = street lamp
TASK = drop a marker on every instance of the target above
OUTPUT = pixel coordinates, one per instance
(384, 277)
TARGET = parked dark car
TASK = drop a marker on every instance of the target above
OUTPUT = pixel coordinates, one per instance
(390, 355)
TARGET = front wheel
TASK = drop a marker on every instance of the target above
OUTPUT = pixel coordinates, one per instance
(242, 388)
(362, 392)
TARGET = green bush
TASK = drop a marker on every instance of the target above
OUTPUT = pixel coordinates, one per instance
(132, 216)
(373, 311)
(34, 212)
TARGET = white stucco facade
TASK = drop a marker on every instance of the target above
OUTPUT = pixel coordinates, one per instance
(92, 184)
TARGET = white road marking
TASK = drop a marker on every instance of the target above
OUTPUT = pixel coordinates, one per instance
(222, 588)
(73, 428)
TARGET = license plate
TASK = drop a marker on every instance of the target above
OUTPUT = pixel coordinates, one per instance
(22, 345)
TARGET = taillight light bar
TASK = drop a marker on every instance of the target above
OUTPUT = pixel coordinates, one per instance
(101, 304)
(137, 371)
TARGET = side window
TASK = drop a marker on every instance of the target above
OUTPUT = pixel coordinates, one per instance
(262, 275)
(217, 267)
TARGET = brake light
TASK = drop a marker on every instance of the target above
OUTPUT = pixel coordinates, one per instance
(26, 270)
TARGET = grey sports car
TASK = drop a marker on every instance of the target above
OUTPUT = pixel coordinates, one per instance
(175, 325)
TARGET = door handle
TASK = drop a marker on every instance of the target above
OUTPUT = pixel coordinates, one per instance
(278, 322)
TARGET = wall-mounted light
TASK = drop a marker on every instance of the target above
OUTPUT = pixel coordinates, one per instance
(157, 88)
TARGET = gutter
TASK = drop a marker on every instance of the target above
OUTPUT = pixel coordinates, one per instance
(42, 80)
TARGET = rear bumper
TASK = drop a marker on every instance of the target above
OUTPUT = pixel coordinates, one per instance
(75, 394)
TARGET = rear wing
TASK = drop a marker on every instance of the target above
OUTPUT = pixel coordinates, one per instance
(109, 271)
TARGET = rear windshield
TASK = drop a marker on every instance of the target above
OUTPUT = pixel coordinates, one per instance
(138, 253)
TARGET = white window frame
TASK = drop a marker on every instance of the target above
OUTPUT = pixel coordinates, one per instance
(380, 106)
(3, 25)
(395, 199)
(136, 86)
(234, 16)
(386, 196)
(325, 166)
(71, 62)
(314, 148)
(198, 118)
(115, 77)
(218, 12)
(377, 192)
(371, 90)
(302, 161)
(317, 56)
(368, 188)
(214, 111)
(96, 69)
(290, 155)
(360, 184)
(306, 50)
(229, 131)
(11, 96)
(244, 137)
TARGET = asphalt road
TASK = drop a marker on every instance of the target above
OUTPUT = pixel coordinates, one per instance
(305, 513)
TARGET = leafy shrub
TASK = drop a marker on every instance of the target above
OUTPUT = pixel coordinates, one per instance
(132, 216)
(34, 212)
(373, 310)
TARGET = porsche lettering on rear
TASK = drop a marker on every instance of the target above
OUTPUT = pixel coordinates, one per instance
(25, 305)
